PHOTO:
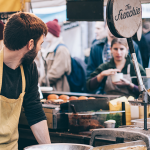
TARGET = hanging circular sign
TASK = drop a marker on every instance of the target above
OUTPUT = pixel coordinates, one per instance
(123, 17)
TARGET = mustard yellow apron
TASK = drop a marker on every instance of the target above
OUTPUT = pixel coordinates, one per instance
(9, 114)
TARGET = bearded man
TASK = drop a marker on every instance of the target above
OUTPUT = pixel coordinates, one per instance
(23, 36)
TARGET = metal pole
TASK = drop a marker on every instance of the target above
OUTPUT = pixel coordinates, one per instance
(145, 100)
(139, 78)
(145, 116)
(27, 6)
(135, 63)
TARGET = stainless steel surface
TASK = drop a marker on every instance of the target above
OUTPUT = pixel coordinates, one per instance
(81, 94)
(121, 145)
(140, 123)
(60, 146)
(130, 133)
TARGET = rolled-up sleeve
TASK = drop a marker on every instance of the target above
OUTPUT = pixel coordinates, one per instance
(32, 105)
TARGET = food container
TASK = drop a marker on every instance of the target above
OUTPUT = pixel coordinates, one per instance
(117, 77)
(147, 72)
(60, 146)
(92, 120)
(110, 123)
(79, 122)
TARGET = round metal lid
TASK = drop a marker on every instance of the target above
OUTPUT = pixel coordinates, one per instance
(59, 146)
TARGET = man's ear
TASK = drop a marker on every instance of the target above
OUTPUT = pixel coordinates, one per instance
(30, 44)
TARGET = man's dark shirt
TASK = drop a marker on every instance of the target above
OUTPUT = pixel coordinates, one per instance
(12, 87)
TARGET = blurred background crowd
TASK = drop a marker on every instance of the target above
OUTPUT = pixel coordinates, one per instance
(72, 51)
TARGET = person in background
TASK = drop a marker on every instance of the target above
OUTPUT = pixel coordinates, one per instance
(144, 50)
(100, 33)
(1, 34)
(101, 53)
(55, 60)
(120, 62)
(23, 36)
(146, 32)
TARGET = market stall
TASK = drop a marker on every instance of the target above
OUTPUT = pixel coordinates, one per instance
(61, 119)
(73, 121)
(117, 20)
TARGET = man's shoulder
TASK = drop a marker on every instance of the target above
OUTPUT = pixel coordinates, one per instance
(98, 46)
(100, 42)
(30, 68)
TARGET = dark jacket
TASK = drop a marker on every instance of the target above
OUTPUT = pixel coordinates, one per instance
(147, 37)
(144, 49)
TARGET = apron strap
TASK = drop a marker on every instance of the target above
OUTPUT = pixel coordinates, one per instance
(128, 69)
(1, 68)
(1, 73)
(23, 79)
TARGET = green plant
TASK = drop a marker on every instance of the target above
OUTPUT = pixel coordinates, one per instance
(117, 117)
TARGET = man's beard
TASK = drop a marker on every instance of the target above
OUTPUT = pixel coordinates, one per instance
(29, 57)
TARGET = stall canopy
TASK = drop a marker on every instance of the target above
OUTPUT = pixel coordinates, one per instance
(52, 3)
(16, 5)
(47, 3)
(11, 5)
(50, 13)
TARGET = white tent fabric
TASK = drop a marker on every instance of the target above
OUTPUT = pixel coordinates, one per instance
(53, 3)
(47, 3)
(49, 10)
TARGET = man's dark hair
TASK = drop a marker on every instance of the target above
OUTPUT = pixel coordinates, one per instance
(20, 28)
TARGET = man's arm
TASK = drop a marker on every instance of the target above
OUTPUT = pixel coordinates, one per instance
(41, 133)
(33, 107)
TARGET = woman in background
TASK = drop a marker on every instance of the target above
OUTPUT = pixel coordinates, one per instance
(54, 62)
(120, 62)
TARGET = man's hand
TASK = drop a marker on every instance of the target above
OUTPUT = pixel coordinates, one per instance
(41, 133)
(124, 82)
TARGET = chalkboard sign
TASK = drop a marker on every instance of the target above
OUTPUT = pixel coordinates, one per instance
(85, 10)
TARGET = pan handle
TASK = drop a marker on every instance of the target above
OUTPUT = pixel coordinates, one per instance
(73, 108)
